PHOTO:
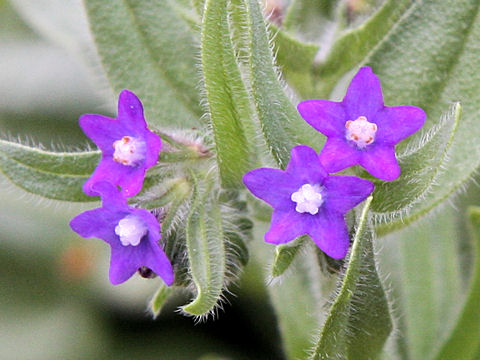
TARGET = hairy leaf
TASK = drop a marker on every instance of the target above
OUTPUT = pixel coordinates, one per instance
(285, 254)
(281, 124)
(206, 252)
(359, 320)
(296, 60)
(149, 48)
(58, 176)
(422, 164)
(428, 60)
(228, 101)
(160, 298)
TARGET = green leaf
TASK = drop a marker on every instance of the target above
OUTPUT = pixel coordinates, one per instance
(422, 163)
(296, 60)
(285, 254)
(359, 320)
(149, 48)
(206, 252)
(58, 176)
(228, 101)
(354, 46)
(281, 124)
(427, 61)
(423, 262)
(160, 298)
(464, 341)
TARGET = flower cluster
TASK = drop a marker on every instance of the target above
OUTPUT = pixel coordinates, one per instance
(361, 131)
(129, 149)
(305, 197)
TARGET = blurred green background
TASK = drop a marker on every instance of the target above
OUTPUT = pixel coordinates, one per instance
(55, 298)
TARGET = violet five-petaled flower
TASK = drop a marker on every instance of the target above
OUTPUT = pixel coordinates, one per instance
(128, 147)
(360, 129)
(133, 235)
(307, 200)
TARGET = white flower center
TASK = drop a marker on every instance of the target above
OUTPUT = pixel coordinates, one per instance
(131, 229)
(361, 131)
(129, 151)
(308, 198)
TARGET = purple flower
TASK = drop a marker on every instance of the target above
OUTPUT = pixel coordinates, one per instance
(128, 147)
(306, 200)
(360, 129)
(133, 235)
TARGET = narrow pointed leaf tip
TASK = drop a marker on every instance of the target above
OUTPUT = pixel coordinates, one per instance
(360, 129)
(133, 235)
(128, 147)
(206, 251)
(307, 200)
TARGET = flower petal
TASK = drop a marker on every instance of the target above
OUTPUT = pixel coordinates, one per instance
(156, 260)
(98, 223)
(130, 112)
(103, 131)
(111, 196)
(274, 186)
(124, 262)
(380, 162)
(285, 226)
(128, 171)
(305, 166)
(328, 117)
(329, 232)
(129, 178)
(396, 123)
(345, 192)
(154, 145)
(337, 155)
(364, 95)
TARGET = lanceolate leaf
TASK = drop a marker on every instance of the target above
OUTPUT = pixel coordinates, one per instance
(206, 252)
(359, 321)
(228, 100)
(427, 60)
(464, 341)
(147, 47)
(160, 298)
(285, 254)
(52, 175)
(281, 124)
(422, 163)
